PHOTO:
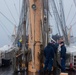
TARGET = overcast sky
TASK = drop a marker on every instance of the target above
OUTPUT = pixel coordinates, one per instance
(69, 8)
(11, 9)
(71, 20)
(6, 28)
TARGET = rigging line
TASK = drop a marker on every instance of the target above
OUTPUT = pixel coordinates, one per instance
(5, 32)
(15, 8)
(7, 18)
(57, 4)
(73, 18)
(74, 2)
(19, 6)
(5, 27)
(69, 12)
(27, 19)
(34, 34)
(10, 12)
(58, 27)
(49, 12)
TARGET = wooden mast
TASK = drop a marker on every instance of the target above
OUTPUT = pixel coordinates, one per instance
(34, 36)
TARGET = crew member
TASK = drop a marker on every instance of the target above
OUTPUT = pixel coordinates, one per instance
(49, 55)
(63, 56)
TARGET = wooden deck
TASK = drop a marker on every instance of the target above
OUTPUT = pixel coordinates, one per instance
(9, 71)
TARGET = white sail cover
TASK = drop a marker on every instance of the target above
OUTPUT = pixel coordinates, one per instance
(71, 49)
(5, 48)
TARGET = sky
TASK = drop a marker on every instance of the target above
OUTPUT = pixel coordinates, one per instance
(11, 9)
(70, 15)
(71, 20)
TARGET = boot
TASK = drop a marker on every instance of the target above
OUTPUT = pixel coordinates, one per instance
(49, 72)
(44, 72)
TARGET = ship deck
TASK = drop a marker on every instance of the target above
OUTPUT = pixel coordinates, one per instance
(9, 71)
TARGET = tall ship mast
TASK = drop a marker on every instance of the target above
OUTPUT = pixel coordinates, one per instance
(35, 32)
(34, 27)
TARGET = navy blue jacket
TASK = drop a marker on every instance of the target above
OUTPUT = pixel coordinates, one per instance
(55, 46)
(49, 52)
(63, 52)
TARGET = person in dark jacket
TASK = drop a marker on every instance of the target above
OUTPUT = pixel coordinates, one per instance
(49, 55)
(63, 56)
(57, 58)
(55, 66)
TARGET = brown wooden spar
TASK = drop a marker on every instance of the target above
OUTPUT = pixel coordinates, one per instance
(34, 36)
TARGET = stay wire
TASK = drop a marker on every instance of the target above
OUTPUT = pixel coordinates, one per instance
(69, 13)
(5, 32)
(19, 6)
(72, 18)
(49, 12)
(5, 27)
(10, 12)
(7, 18)
(27, 16)
(16, 8)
